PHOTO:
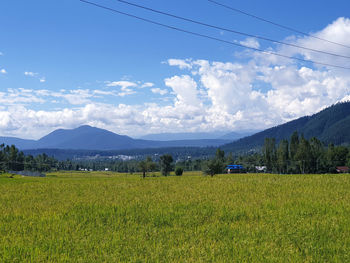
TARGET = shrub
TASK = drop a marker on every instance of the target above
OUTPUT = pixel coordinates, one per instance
(179, 171)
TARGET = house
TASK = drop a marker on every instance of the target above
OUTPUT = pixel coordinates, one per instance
(260, 168)
(342, 169)
(234, 168)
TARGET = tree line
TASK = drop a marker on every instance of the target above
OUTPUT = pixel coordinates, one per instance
(300, 155)
(296, 155)
(11, 159)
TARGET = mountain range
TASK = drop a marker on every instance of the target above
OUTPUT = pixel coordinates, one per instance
(91, 138)
(331, 125)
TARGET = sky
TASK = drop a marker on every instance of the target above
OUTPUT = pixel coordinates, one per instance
(66, 63)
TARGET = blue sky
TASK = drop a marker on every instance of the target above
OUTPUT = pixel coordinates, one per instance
(65, 63)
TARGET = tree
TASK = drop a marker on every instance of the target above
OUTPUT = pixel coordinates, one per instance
(269, 153)
(294, 144)
(303, 155)
(165, 162)
(220, 155)
(229, 158)
(317, 155)
(214, 166)
(348, 159)
(282, 156)
(337, 155)
(143, 168)
(2, 157)
(146, 166)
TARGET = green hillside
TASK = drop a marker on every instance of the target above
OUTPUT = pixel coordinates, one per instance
(331, 125)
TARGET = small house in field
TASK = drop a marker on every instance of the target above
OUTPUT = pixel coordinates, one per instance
(342, 169)
(260, 168)
(234, 168)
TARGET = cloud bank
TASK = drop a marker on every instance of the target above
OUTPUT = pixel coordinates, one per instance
(256, 92)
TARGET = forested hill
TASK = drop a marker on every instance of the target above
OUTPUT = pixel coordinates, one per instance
(331, 125)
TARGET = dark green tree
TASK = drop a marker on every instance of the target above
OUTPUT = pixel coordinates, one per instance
(269, 153)
(303, 156)
(165, 162)
(179, 171)
(220, 155)
(213, 167)
(229, 158)
(283, 156)
(146, 166)
(337, 155)
(318, 155)
(294, 144)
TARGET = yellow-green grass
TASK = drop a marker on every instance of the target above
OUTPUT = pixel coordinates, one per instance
(108, 217)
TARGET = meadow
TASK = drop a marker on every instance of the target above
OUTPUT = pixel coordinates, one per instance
(109, 217)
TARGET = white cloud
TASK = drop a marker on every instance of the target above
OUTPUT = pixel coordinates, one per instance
(3, 71)
(159, 91)
(35, 75)
(182, 64)
(257, 93)
(125, 92)
(338, 31)
(147, 85)
(122, 83)
(104, 93)
(250, 42)
(21, 96)
(185, 89)
(31, 74)
(125, 87)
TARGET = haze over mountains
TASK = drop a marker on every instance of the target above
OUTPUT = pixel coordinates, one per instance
(220, 135)
(331, 125)
(91, 138)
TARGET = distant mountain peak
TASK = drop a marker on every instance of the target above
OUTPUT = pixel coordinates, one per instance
(85, 127)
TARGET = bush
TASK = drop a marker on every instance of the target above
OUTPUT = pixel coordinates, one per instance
(179, 171)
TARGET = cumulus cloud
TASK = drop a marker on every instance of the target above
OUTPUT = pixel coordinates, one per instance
(185, 89)
(20, 96)
(257, 92)
(3, 71)
(338, 31)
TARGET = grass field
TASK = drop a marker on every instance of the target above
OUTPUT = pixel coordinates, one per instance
(106, 217)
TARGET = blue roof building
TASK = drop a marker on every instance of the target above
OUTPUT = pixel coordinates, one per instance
(234, 168)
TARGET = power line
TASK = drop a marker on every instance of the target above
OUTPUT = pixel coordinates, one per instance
(276, 24)
(230, 30)
(210, 37)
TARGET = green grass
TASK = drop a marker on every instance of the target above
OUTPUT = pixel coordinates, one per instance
(107, 217)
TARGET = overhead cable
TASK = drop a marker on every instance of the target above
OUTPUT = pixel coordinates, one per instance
(210, 37)
(230, 30)
(277, 24)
